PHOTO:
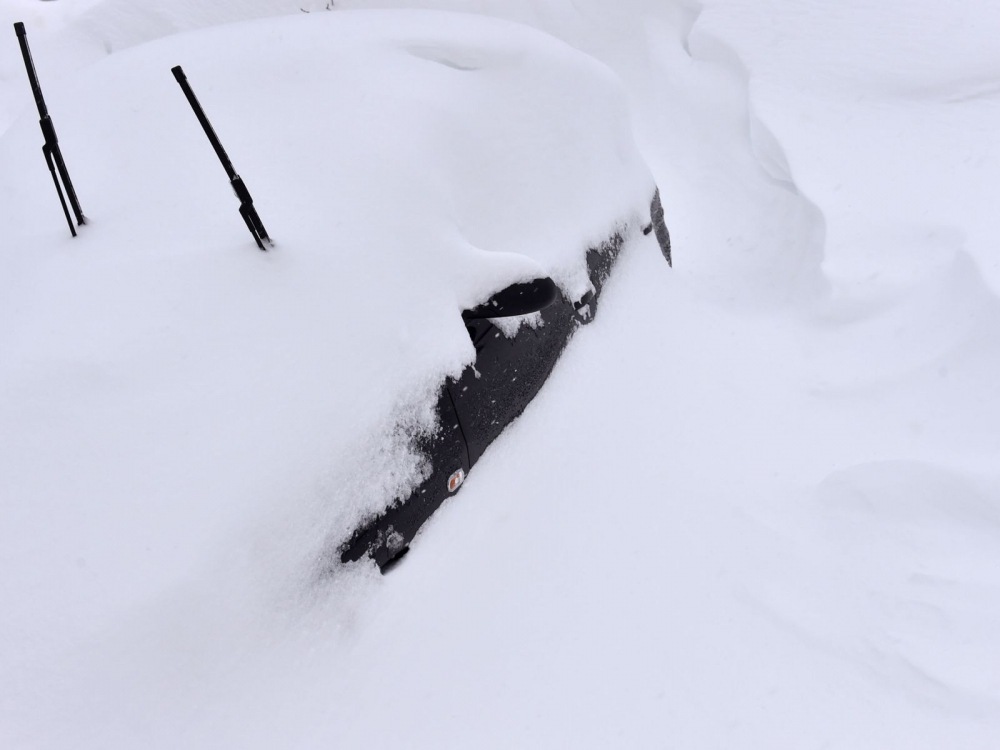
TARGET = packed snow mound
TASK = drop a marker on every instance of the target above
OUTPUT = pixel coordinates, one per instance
(781, 532)
(164, 384)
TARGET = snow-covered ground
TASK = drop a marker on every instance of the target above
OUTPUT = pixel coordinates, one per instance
(757, 504)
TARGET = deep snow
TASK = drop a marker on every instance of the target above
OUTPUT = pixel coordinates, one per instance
(756, 505)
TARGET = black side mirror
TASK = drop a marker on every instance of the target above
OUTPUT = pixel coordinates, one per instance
(517, 299)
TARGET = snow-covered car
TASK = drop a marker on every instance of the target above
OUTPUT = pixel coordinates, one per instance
(447, 197)
(511, 365)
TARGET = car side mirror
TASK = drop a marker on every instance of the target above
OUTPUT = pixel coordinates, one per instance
(517, 299)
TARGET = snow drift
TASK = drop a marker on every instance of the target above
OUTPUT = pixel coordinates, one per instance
(783, 532)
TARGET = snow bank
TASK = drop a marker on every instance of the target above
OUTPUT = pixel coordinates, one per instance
(887, 116)
(780, 533)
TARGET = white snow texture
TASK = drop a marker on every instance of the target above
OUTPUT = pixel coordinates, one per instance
(757, 504)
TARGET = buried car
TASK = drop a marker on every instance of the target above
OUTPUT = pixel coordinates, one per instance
(165, 385)
(510, 368)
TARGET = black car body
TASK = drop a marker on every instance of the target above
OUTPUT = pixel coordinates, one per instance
(475, 408)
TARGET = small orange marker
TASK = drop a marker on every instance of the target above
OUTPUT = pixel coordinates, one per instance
(455, 480)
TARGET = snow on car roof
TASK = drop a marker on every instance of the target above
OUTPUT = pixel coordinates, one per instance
(163, 382)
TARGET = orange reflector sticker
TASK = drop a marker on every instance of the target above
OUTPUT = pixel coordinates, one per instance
(455, 480)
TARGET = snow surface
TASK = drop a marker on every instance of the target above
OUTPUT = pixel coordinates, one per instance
(757, 505)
